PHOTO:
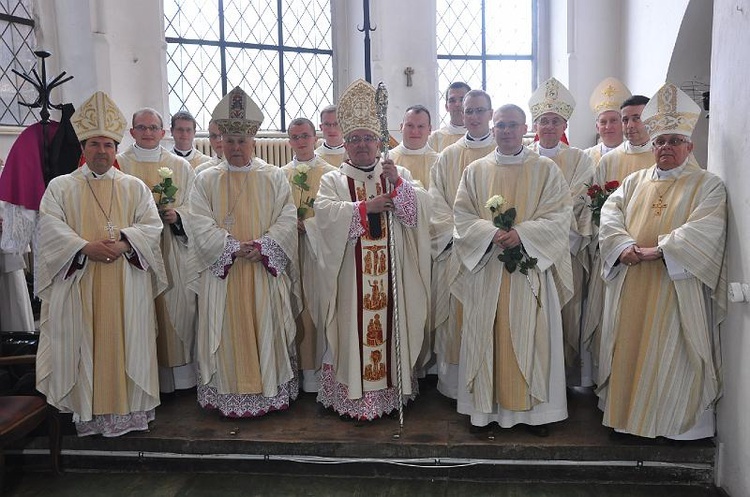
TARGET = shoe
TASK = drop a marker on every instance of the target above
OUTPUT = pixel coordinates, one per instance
(478, 430)
(538, 430)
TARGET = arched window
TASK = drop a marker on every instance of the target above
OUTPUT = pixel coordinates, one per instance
(278, 51)
(490, 45)
(16, 52)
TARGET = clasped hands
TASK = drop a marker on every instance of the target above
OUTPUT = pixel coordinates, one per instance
(106, 250)
(635, 254)
(248, 251)
(506, 239)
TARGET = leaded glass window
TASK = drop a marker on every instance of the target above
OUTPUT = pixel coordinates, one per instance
(16, 52)
(488, 44)
(278, 51)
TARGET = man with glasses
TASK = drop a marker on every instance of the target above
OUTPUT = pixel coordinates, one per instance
(632, 155)
(511, 367)
(303, 173)
(332, 149)
(359, 378)
(413, 153)
(454, 105)
(446, 175)
(182, 128)
(551, 106)
(662, 245)
(175, 308)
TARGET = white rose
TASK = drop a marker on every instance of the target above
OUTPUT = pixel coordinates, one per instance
(303, 168)
(165, 172)
(494, 202)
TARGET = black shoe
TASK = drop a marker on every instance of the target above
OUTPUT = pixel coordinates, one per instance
(538, 430)
(479, 430)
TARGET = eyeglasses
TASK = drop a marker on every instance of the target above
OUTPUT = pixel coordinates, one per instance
(359, 139)
(508, 126)
(330, 125)
(553, 122)
(303, 136)
(672, 142)
(153, 128)
(214, 136)
(478, 110)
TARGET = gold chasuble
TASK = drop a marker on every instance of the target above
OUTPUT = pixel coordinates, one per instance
(310, 324)
(359, 370)
(511, 365)
(245, 338)
(176, 308)
(660, 358)
(97, 345)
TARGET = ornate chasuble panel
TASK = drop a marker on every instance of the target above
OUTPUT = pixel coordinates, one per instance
(374, 297)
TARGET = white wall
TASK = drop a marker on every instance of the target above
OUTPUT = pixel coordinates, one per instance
(404, 37)
(729, 153)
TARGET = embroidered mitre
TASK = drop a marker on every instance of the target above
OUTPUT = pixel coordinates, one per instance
(99, 116)
(357, 108)
(552, 96)
(237, 114)
(608, 95)
(670, 111)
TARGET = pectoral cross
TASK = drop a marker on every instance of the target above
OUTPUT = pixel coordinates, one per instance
(659, 206)
(408, 71)
(110, 229)
(229, 222)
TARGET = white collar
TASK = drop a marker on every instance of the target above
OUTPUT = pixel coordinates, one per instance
(549, 152)
(517, 158)
(455, 130)
(637, 149)
(146, 154)
(408, 151)
(669, 173)
(88, 173)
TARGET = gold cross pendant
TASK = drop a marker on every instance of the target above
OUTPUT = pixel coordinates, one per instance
(659, 206)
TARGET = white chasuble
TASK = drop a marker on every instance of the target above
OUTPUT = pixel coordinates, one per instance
(360, 311)
(246, 328)
(97, 345)
(511, 368)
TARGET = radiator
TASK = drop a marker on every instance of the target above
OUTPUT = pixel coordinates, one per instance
(274, 150)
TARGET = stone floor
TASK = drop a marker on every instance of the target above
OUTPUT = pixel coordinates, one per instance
(189, 451)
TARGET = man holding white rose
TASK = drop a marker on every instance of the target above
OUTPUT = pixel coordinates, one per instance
(176, 308)
(512, 215)
(303, 173)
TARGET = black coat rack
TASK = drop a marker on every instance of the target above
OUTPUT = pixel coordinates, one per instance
(44, 89)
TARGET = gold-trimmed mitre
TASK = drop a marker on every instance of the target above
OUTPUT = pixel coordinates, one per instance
(608, 95)
(99, 116)
(670, 111)
(237, 114)
(552, 96)
(357, 109)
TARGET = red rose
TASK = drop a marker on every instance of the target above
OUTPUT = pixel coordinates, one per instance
(611, 185)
